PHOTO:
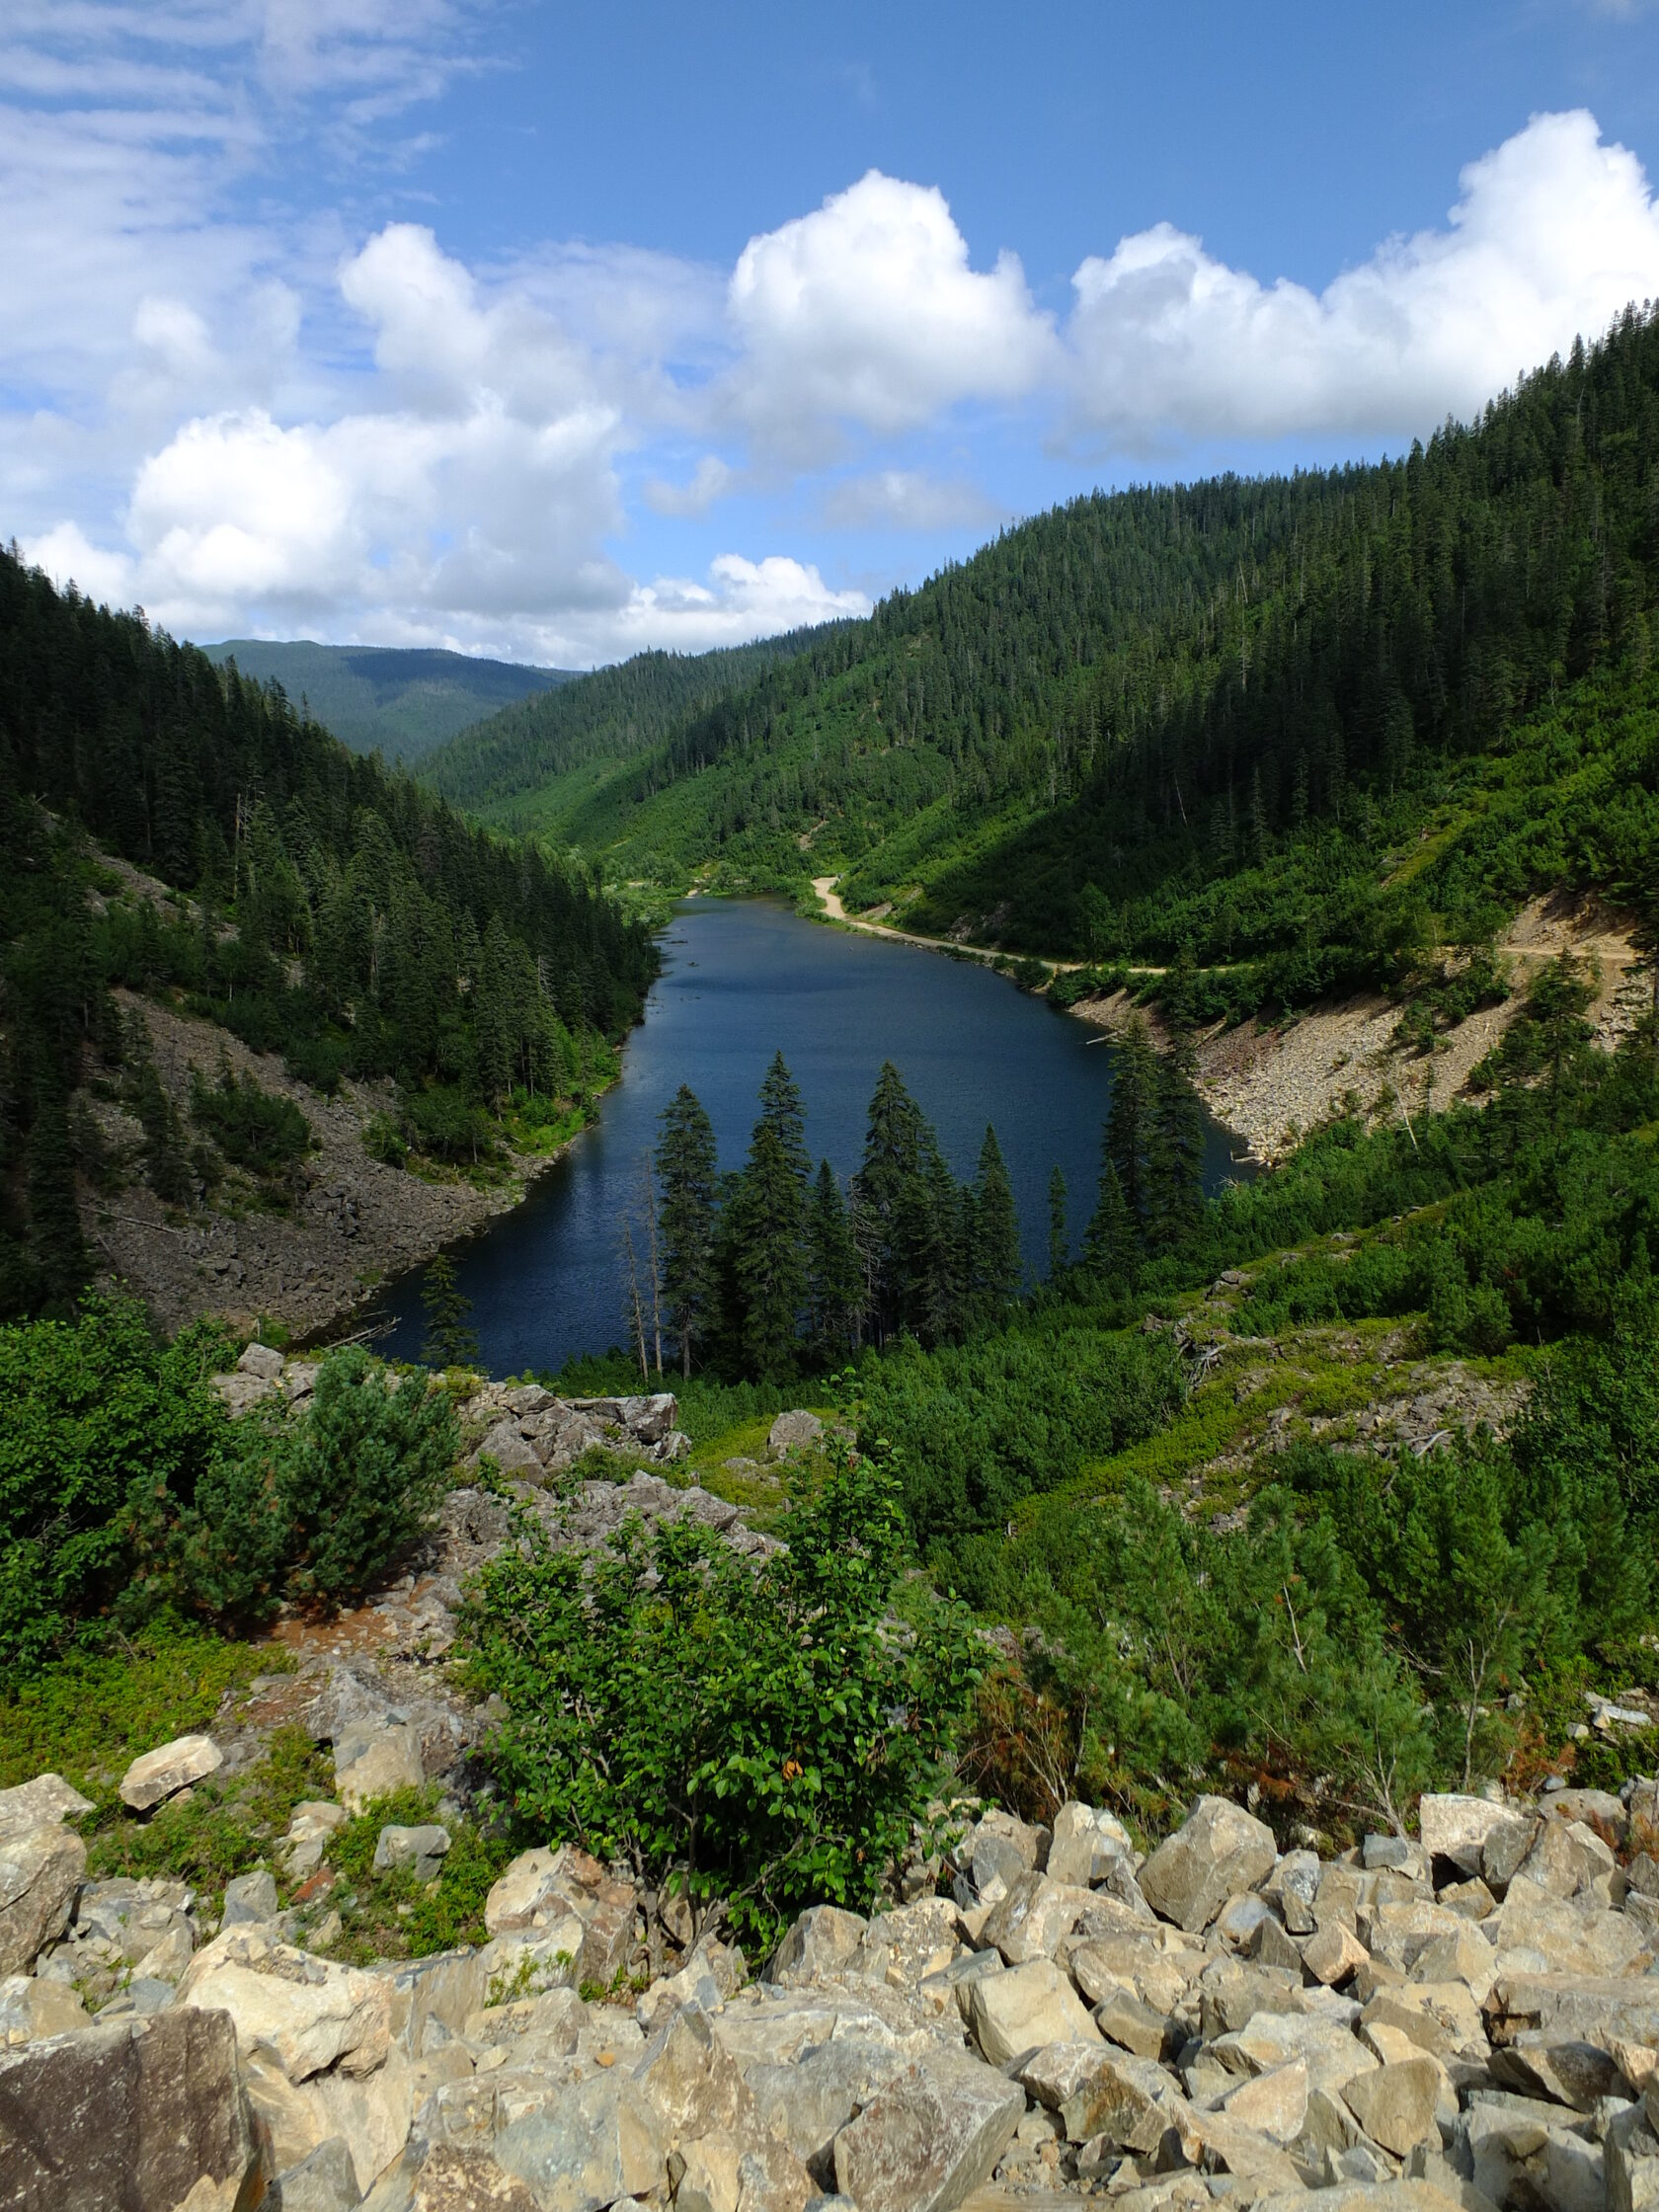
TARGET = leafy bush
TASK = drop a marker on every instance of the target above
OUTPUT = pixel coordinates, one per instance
(445, 1122)
(766, 1734)
(383, 1141)
(97, 1423)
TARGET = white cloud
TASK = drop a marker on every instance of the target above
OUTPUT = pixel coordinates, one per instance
(867, 311)
(711, 480)
(742, 600)
(1553, 233)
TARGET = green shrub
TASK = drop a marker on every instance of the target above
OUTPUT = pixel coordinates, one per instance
(766, 1734)
(98, 1424)
(383, 1141)
(252, 1128)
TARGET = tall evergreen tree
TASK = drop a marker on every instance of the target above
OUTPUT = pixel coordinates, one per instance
(449, 1341)
(890, 1194)
(834, 1271)
(769, 1255)
(686, 1175)
(1111, 1246)
(1131, 1140)
(784, 1114)
(995, 1252)
(1059, 1235)
(1178, 1153)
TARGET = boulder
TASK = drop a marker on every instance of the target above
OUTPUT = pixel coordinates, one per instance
(260, 1360)
(249, 1898)
(589, 2147)
(41, 1869)
(324, 2182)
(822, 1941)
(370, 2112)
(808, 2102)
(931, 2137)
(1567, 1859)
(1564, 1935)
(144, 2113)
(1036, 1914)
(161, 1774)
(304, 2012)
(38, 1803)
(423, 1848)
(1087, 1845)
(451, 2179)
(1131, 2102)
(1331, 2054)
(1332, 1955)
(1274, 2103)
(1576, 2006)
(372, 1762)
(1295, 1881)
(544, 1891)
(796, 1431)
(1029, 2005)
(32, 2010)
(1456, 1828)
(1631, 2155)
(1217, 1851)
(1395, 2104)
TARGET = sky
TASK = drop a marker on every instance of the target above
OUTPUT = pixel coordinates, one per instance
(556, 333)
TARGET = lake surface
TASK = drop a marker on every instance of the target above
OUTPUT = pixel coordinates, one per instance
(741, 979)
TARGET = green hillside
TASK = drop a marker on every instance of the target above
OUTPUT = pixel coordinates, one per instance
(310, 901)
(537, 763)
(398, 700)
(1212, 723)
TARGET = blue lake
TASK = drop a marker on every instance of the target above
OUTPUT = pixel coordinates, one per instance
(741, 979)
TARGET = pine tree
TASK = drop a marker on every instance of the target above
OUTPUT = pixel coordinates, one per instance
(1110, 1246)
(448, 1342)
(1178, 1153)
(1132, 1123)
(891, 1196)
(770, 1257)
(783, 1112)
(687, 1172)
(942, 1248)
(1060, 1237)
(994, 1248)
(55, 1221)
(834, 1272)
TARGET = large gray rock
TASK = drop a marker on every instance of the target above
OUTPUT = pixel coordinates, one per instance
(38, 1803)
(307, 2014)
(822, 1941)
(32, 2010)
(372, 1762)
(1575, 2007)
(1219, 1851)
(158, 1774)
(807, 2102)
(1022, 2010)
(1632, 2153)
(1395, 2104)
(589, 2147)
(41, 1869)
(142, 2113)
(797, 1431)
(249, 1899)
(1457, 1827)
(931, 2137)
(324, 2182)
(1087, 1845)
(544, 1891)
(421, 1848)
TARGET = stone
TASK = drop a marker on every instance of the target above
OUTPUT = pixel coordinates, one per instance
(1332, 2056)
(1333, 1955)
(1087, 1845)
(1219, 1851)
(451, 2179)
(1027, 2007)
(796, 1431)
(1273, 1947)
(1560, 2068)
(808, 2102)
(822, 1941)
(1576, 2006)
(41, 1869)
(1464, 1955)
(38, 1803)
(249, 1897)
(1274, 2103)
(1456, 1828)
(1295, 1881)
(372, 2111)
(1131, 2102)
(166, 1958)
(1632, 2164)
(1036, 1914)
(1505, 1847)
(929, 2138)
(544, 1891)
(1565, 1936)
(260, 1360)
(421, 1848)
(372, 1762)
(708, 2176)
(1395, 2104)
(30, 2010)
(693, 2081)
(135, 2112)
(324, 2182)
(305, 2012)
(589, 2147)
(158, 1774)
(1567, 1857)
(510, 1449)
(1472, 1899)
(1125, 2019)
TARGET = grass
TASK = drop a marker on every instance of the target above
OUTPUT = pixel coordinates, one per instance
(392, 1914)
(89, 1715)
(224, 1827)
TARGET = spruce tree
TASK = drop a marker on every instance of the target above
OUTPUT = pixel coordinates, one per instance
(890, 1194)
(941, 1240)
(769, 1255)
(1110, 1246)
(1132, 1125)
(783, 1112)
(1060, 1236)
(994, 1247)
(1178, 1153)
(448, 1341)
(686, 1173)
(834, 1271)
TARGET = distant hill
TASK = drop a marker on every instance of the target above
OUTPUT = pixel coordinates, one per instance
(536, 763)
(402, 699)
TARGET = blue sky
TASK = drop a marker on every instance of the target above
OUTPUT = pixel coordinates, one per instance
(556, 332)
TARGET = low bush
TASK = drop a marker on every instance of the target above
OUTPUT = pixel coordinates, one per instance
(766, 1734)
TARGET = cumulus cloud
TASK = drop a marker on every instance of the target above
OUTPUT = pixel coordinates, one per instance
(867, 311)
(711, 480)
(1553, 233)
(741, 599)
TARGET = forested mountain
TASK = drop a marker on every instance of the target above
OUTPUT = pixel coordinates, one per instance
(397, 700)
(533, 764)
(335, 912)
(1209, 720)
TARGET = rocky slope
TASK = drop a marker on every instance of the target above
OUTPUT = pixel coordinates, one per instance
(1031, 2016)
